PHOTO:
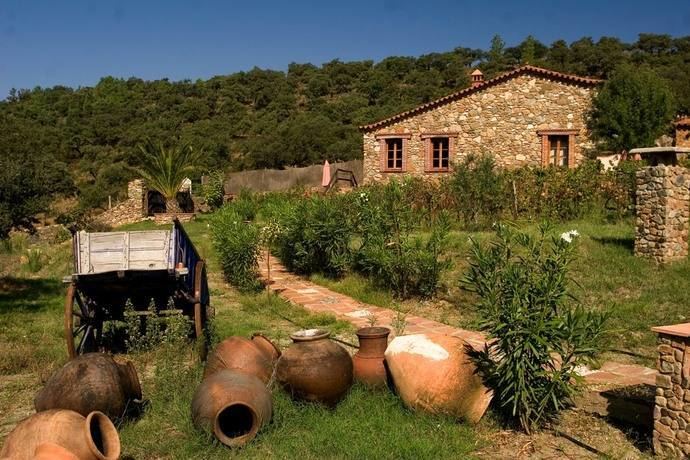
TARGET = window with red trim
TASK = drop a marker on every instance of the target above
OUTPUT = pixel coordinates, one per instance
(394, 154)
(439, 152)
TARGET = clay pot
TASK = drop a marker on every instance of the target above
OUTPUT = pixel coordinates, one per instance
(315, 368)
(257, 357)
(52, 451)
(369, 368)
(93, 437)
(433, 373)
(91, 382)
(233, 406)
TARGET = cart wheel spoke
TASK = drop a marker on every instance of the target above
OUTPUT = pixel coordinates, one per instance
(85, 339)
(78, 330)
(82, 307)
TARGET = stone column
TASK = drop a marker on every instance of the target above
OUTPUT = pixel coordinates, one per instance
(137, 196)
(672, 401)
(663, 213)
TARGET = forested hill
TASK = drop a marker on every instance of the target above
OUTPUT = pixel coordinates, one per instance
(267, 118)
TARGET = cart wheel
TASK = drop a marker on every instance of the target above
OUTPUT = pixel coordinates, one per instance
(81, 334)
(199, 316)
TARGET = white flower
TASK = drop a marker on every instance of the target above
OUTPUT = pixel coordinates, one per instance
(569, 236)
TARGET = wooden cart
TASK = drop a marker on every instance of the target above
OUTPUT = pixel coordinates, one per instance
(114, 269)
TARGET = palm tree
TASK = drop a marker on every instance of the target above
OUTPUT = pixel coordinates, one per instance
(164, 169)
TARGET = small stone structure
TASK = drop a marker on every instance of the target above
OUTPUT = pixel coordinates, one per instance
(133, 209)
(663, 213)
(672, 402)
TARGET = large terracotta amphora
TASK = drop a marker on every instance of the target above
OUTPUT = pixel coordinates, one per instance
(232, 405)
(434, 373)
(314, 368)
(93, 437)
(91, 382)
(369, 367)
(257, 357)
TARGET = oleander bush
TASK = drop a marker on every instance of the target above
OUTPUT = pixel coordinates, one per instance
(213, 191)
(315, 236)
(390, 252)
(539, 335)
(238, 246)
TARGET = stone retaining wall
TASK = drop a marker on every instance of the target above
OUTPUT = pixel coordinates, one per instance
(133, 209)
(663, 213)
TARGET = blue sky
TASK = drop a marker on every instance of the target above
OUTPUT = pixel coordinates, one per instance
(76, 42)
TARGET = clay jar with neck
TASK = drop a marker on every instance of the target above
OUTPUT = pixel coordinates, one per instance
(369, 368)
(314, 368)
(93, 437)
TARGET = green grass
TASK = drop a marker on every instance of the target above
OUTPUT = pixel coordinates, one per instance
(358, 287)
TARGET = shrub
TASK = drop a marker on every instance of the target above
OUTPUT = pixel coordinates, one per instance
(245, 205)
(315, 236)
(213, 190)
(237, 246)
(539, 337)
(35, 259)
(389, 253)
(479, 190)
(171, 328)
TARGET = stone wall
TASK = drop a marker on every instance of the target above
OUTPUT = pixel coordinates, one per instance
(672, 402)
(133, 209)
(503, 120)
(663, 213)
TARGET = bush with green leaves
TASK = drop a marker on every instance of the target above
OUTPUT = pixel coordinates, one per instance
(245, 204)
(213, 190)
(538, 334)
(389, 253)
(238, 245)
(146, 332)
(35, 259)
(316, 235)
(479, 189)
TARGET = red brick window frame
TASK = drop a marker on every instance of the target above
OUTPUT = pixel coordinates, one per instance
(558, 147)
(393, 152)
(438, 151)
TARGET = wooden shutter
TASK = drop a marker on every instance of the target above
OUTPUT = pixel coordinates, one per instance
(571, 151)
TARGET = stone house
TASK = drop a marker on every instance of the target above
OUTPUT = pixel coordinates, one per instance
(528, 116)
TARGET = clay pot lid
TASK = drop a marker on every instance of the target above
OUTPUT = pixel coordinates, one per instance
(373, 332)
(310, 335)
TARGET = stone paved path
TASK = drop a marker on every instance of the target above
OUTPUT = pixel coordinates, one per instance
(319, 299)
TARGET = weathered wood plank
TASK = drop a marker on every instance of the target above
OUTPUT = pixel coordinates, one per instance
(113, 251)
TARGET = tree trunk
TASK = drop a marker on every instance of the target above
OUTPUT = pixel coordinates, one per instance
(172, 206)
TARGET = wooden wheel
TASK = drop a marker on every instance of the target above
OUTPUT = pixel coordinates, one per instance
(82, 329)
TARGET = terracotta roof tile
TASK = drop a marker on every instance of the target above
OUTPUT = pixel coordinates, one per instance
(528, 69)
(685, 121)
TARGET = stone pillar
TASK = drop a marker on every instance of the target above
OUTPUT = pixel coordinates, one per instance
(137, 194)
(663, 213)
(672, 401)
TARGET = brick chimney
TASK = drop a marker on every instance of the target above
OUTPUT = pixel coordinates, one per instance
(477, 78)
